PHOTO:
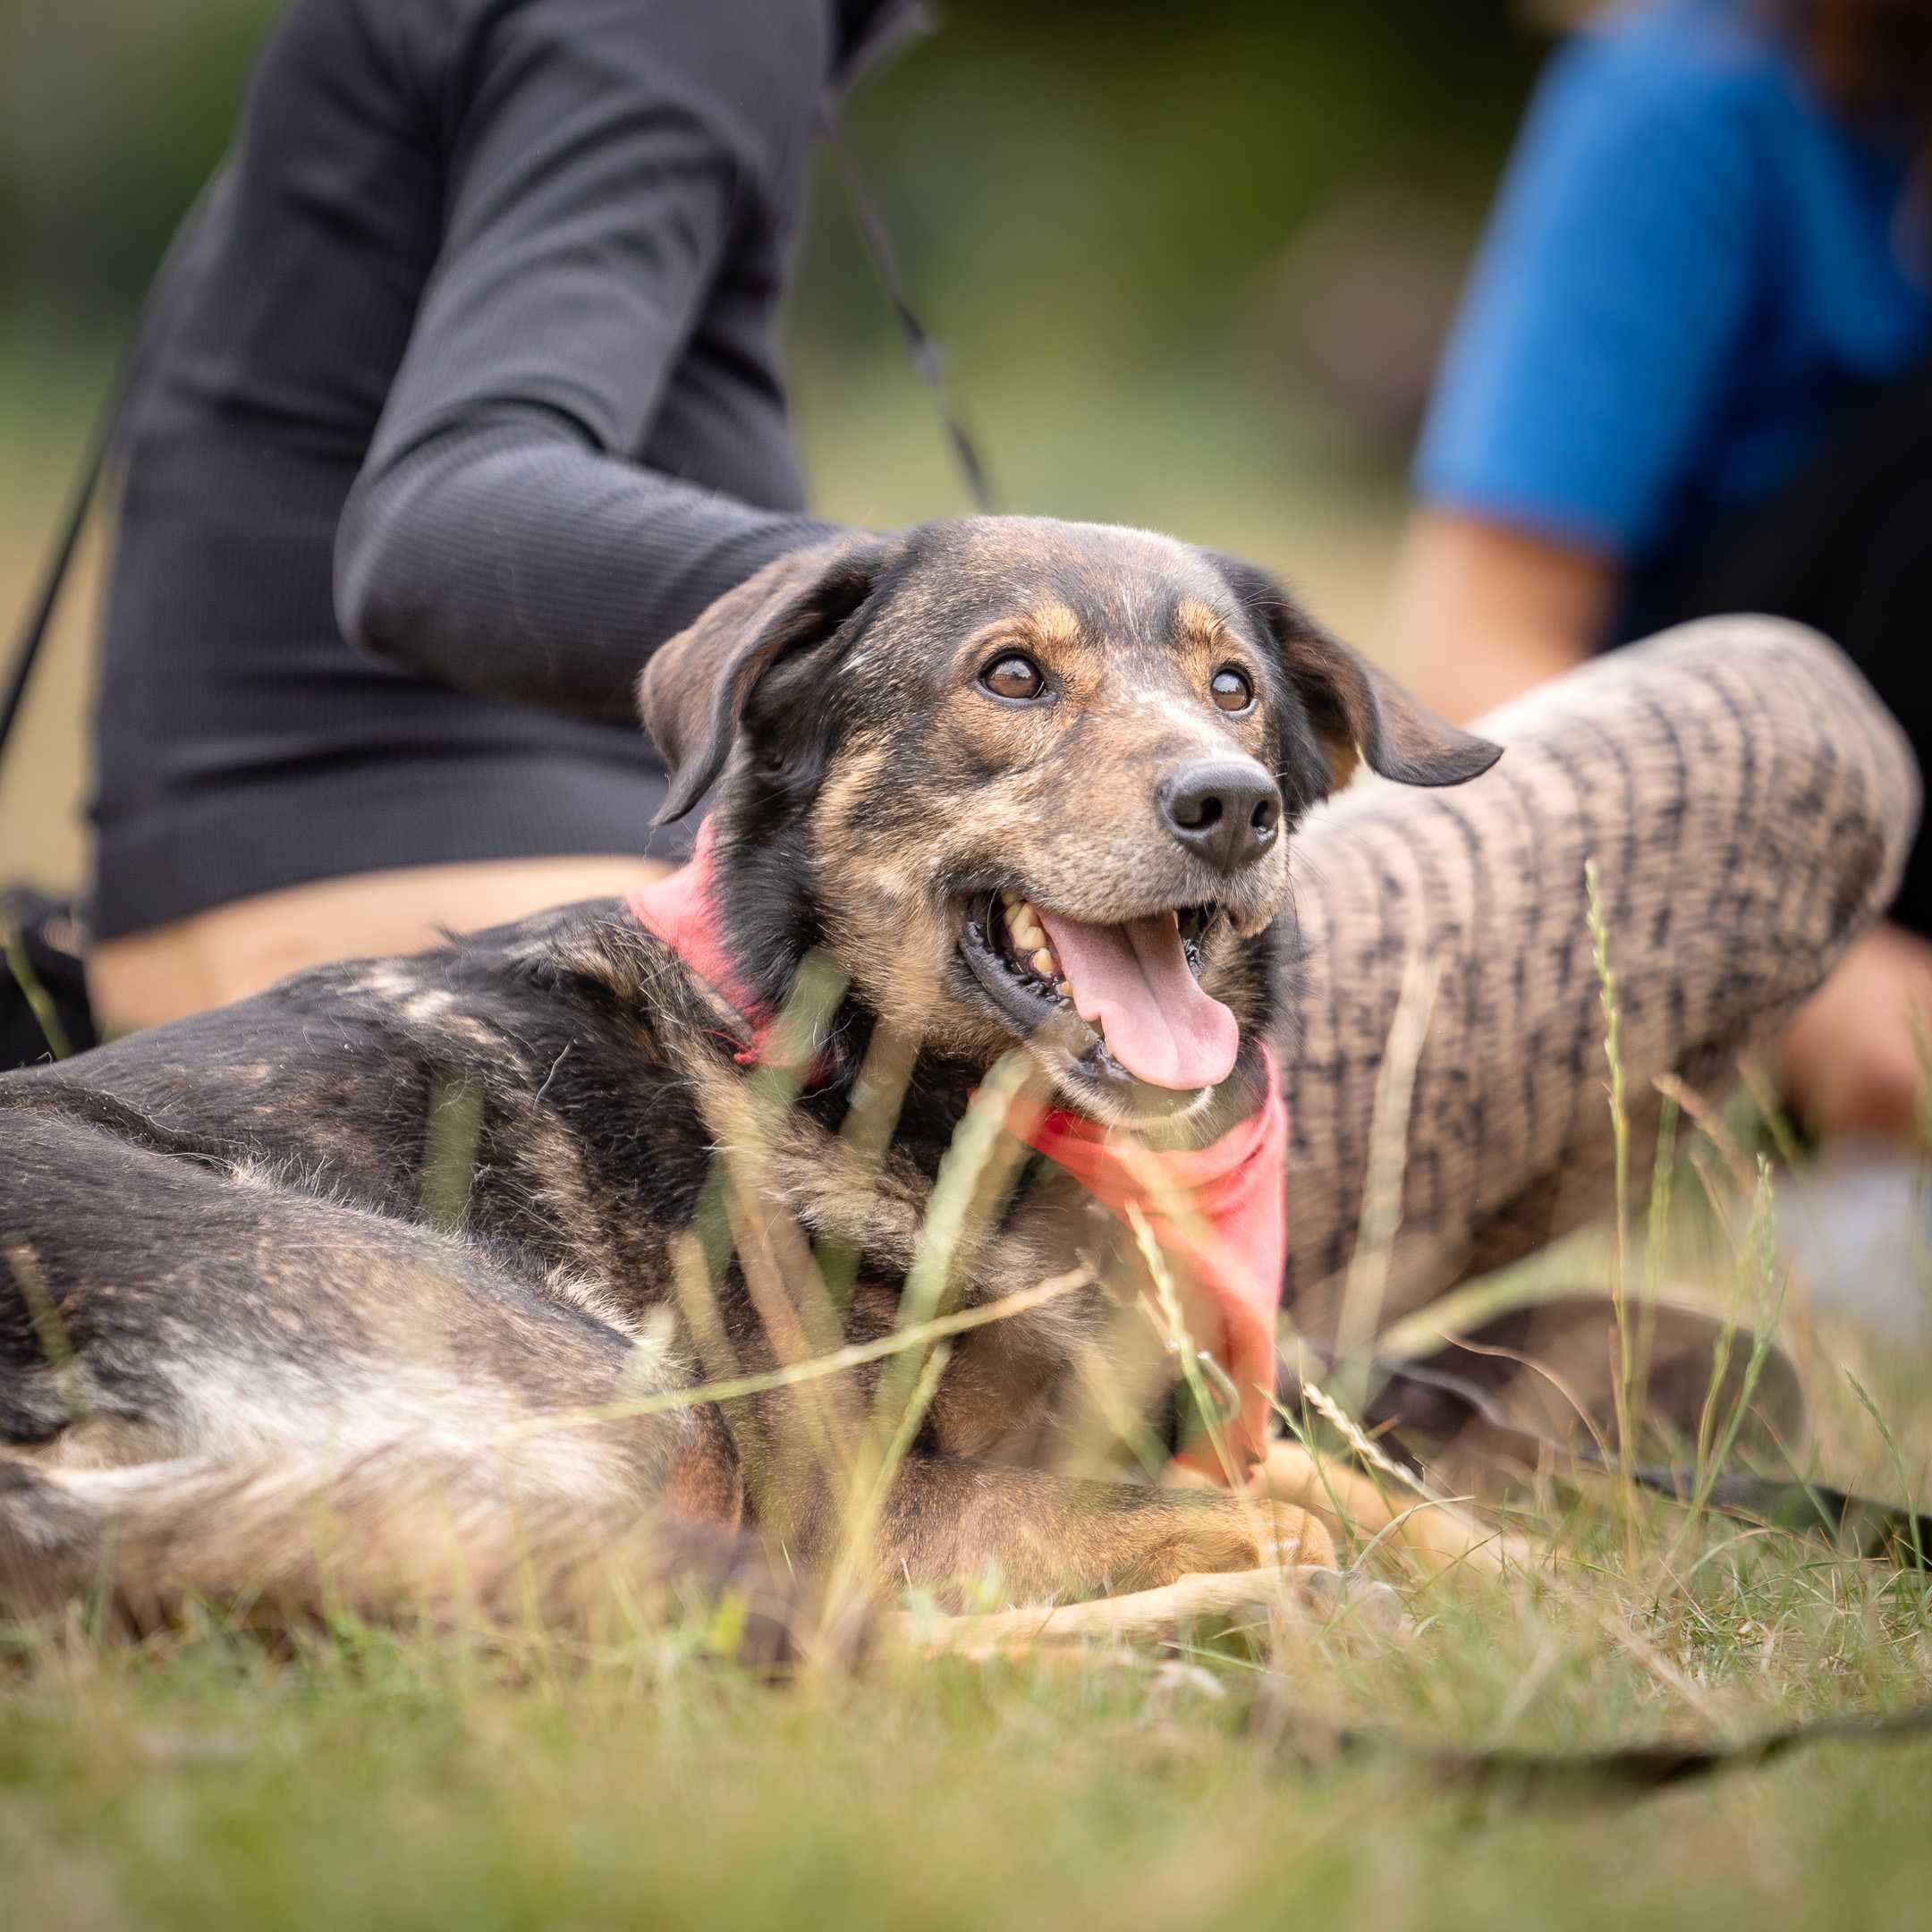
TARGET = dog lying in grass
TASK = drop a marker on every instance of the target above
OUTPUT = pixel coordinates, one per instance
(977, 966)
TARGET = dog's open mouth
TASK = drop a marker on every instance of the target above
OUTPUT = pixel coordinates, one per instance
(1133, 988)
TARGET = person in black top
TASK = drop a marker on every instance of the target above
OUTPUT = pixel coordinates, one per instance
(461, 397)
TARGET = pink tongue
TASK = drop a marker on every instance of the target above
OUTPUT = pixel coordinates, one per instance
(1133, 984)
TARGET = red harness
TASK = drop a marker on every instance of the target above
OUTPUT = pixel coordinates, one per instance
(1218, 1213)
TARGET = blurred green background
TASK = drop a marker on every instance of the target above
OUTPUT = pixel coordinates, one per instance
(1191, 264)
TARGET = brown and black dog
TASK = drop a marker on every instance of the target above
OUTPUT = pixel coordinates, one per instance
(1022, 783)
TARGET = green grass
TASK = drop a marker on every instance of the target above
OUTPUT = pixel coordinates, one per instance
(411, 1780)
(412, 1783)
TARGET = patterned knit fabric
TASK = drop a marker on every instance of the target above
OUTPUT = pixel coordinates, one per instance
(1748, 805)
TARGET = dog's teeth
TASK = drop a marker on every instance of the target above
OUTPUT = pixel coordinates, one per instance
(1009, 898)
(1065, 989)
(1045, 964)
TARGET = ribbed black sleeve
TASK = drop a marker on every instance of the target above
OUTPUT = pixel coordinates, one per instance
(606, 160)
(514, 561)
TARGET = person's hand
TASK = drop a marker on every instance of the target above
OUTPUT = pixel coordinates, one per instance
(1854, 1059)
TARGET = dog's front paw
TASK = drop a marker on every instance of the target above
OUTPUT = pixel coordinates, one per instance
(1347, 1594)
(1294, 1537)
(1224, 1533)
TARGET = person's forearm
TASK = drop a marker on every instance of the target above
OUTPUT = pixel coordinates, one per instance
(1482, 612)
(1496, 662)
(513, 562)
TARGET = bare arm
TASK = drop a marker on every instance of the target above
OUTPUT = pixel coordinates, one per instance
(1483, 611)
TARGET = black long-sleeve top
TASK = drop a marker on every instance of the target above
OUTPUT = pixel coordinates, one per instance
(461, 396)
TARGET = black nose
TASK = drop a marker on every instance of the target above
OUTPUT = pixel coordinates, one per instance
(1225, 810)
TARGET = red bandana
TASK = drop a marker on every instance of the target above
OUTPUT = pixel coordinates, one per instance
(1218, 1213)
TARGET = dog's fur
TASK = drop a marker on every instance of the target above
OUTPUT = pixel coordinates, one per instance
(349, 1239)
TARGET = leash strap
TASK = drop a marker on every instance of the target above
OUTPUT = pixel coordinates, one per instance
(1874, 1528)
(65, 541)
(1617, 1773)
(31, 638)
(924, 353)
(1627, 1772)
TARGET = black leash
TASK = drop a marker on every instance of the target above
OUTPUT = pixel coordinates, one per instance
(1873, 1529)
(32, 635)
(65, 541)
(1623, 1771)
(44, 1004)
(924, 353)
(1618, 1773)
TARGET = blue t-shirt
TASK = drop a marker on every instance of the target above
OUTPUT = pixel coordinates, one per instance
(1693, 263)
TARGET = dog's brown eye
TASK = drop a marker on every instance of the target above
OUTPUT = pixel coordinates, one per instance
(1013, 676)
(1231, 690)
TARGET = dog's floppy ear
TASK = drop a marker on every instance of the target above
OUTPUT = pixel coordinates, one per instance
(1359, 713)
(696, 686)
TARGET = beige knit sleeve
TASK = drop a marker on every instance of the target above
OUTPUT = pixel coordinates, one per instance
(1748, 805)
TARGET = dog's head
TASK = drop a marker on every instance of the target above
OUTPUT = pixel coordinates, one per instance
(1028, 781)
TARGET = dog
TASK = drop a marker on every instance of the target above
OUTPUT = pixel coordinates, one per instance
(460, 1241)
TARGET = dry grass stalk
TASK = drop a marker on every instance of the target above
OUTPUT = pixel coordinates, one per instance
(1149, 1616)
(1365, 1286)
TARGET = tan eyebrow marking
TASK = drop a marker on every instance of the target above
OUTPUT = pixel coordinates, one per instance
(1054, 623)
(1199, 623)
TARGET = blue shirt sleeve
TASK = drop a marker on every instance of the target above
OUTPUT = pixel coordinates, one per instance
(1613, 288)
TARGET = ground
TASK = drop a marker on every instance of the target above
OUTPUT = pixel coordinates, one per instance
(1281, 1774)
(377, 1782)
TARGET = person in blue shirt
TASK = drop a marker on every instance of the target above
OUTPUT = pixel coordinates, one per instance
(1690, 373)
